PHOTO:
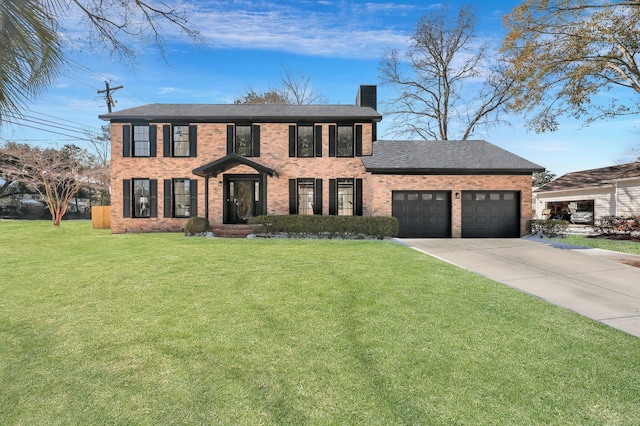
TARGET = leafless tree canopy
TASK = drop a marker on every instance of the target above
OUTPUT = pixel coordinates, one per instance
(566, 56)
(57, 175)
(295, 89)
(444, 86)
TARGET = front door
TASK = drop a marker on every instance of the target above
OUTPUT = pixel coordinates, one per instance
(242, 198)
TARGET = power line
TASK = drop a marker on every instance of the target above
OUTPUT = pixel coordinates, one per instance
(50, 123)
(46, 130)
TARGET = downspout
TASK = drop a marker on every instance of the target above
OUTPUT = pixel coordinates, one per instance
(615, 200)
(206, 197)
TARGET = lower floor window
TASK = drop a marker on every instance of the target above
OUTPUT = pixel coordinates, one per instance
(305, 196)
(181, 198)
(345, 197)
(141, 198)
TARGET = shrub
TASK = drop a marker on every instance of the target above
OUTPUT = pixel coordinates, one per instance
(549, 227)
(327, 226)
(618, 225)
(196, 226)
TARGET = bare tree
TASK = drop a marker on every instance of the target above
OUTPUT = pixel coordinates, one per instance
(270, 97)
(444, 83)
(32, 33)
(295, 89)
(564, 54)
(101, 152)
(57, 175)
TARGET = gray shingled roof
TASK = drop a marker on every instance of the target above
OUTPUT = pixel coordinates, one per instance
(438, 157)
(593, 178)
(254, 113)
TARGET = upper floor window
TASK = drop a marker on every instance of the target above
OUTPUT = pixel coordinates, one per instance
(179, 140)
(141, 144)
(305, 141)
(243, 140)
(345, 140)
(139, 140)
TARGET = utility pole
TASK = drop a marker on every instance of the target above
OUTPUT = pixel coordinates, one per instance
(108, 97)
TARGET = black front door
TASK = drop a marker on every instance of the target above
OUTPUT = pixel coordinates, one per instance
(242, 198)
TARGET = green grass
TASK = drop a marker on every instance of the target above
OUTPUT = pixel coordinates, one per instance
(631, 247)
(153, 329)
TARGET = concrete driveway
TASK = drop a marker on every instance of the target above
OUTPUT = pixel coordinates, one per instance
(592, 282)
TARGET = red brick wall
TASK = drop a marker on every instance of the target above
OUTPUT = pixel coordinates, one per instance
(274, 148)
(212, 145)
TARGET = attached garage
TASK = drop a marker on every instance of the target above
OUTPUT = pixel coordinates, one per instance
(449, 189)
(490, 214)
(422, 214)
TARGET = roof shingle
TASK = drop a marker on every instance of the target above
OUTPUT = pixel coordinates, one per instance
(222, 113)
(438, 157)
(593, 178)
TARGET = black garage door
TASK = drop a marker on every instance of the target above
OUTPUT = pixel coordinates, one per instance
(490, 214)
(422, 214)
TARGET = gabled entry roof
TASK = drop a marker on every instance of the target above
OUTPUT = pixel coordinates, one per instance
(445, 157)
(230, 161)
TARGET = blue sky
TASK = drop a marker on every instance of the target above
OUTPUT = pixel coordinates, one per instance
(338, 43)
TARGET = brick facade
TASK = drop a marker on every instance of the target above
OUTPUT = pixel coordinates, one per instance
(275, 167)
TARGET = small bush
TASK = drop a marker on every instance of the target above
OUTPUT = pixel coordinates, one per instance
(549, 227)
(618, 225)
(327, 226)
(196, 226)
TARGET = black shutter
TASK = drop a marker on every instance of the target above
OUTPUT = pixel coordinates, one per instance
(292, 141)
(153, 198)
(317, 193)
(332, 141)
(358, 190)
(193, 141)
(126, 198)
(167, 198)
(358, 140)
(166, 140)
(126, 140)
(333, 198)
(193, 198)
(318, 141)
(153, 140)
(230, 139)
(293, 196)
(255, 134)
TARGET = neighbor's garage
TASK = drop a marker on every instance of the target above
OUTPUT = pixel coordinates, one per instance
(490, 214)
(422, 214)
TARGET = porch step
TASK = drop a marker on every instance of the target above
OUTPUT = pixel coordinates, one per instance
(232, 231)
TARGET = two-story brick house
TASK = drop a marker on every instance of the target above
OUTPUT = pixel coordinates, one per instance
(231, 162)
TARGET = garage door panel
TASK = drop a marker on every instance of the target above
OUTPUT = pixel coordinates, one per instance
(487, 214)
(422, 214)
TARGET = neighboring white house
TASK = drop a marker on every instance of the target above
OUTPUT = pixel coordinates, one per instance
(607, 191)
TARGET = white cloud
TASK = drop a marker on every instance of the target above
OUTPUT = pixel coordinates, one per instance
(299, 31)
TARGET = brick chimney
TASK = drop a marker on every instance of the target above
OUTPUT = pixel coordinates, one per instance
(368, 97)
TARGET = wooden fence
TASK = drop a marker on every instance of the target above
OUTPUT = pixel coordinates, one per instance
(101, 217)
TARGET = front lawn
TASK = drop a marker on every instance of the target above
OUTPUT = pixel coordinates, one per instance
(624, 246)
(160, 329)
